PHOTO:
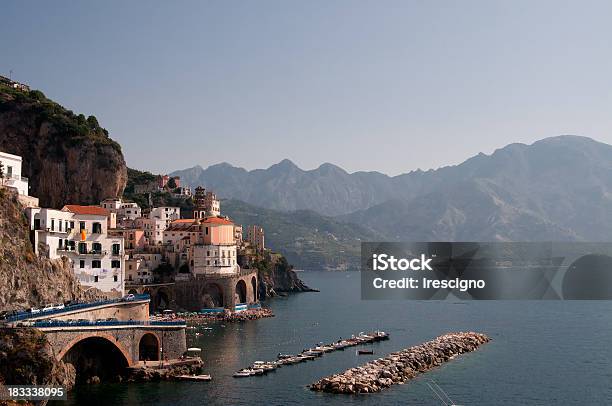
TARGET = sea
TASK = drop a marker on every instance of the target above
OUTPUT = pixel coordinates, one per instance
(541, 353)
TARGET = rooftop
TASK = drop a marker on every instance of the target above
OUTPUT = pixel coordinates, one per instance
(91, 210)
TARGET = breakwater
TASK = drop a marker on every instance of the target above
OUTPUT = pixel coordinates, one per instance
(399, 367)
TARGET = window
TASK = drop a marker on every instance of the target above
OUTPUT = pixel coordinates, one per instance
(96, 278)
(96, 247)
(116, 249)
(96, 264)
(82, 263)
(115, 278)
(115, 264)
(97, 228)
(81, 225)
(72, 224)
(82, 248)
(52, 224)
(59, 224)
(130, 267)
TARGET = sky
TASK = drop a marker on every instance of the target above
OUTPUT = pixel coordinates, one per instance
(390, 86)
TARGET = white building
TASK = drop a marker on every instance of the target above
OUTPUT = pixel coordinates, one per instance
(129, 211)
(11, 169)
(123, 210)
(153, 229)
(168, 214)
(80, 233)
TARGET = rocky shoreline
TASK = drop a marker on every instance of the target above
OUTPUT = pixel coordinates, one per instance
(399, 367)
(168, 373)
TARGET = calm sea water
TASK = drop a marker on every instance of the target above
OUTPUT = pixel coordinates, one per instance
(542, 353)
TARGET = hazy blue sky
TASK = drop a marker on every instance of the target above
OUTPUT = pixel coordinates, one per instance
(388, 86)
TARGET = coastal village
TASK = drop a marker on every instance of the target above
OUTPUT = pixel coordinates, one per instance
(141, 276)
(116, 247)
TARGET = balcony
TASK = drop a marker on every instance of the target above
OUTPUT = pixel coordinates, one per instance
(71, 250)
(12, 176)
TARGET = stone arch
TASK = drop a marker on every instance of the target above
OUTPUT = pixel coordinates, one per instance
(96, 354)
(254, 286)
(212, 295)
(241, 291)
(132, 292)
(148, 347)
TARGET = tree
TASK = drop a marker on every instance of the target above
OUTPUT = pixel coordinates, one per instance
(172, 183)
(37, 95)
(93, 122)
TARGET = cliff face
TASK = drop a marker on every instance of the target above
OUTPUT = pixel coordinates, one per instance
(26, 358)
(25, 279)
(68, 158)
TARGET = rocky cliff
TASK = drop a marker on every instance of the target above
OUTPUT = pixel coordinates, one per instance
(276, 276)
(68, 158)
(25, 279)
(26, 358)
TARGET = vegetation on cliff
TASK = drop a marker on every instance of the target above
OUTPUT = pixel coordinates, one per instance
(276, 275)
(68, 158)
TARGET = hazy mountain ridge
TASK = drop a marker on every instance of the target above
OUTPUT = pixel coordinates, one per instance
(559, 188)
(556, 189)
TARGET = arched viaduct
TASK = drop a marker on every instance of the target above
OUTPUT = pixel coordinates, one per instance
(106, 351)
(204, 291)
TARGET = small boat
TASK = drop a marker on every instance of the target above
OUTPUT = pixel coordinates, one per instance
(365, 352)
(241, 374)
(195, 378)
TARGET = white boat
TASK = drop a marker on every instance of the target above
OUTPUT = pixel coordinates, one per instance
(244, 372)
(195, 378)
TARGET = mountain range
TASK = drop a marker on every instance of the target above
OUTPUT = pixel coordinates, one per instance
(559, 188)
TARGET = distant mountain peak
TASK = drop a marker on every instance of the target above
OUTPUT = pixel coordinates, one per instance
(284, 165)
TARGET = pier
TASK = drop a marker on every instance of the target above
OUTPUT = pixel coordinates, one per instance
(259, 368)
(399, 367)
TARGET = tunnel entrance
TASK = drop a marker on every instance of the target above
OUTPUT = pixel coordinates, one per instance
(96, 357)
(148, 348)
(241, 291)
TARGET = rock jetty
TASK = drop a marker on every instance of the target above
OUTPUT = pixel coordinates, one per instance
(399, 367)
